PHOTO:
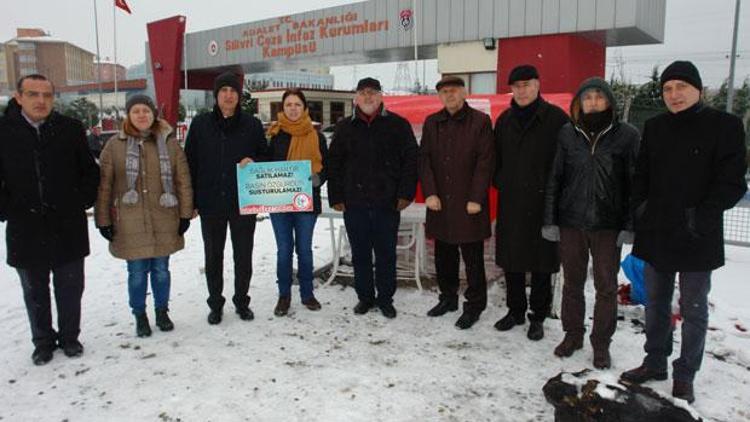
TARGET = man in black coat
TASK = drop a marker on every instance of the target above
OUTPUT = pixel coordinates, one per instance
(525, 144)
(690, 169)
(216, 142)
(587, 209)
(372, 176)
(48, 179)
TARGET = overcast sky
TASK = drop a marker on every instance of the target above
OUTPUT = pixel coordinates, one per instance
(699, 30)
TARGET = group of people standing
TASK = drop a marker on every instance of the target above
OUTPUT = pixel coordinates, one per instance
(570, 186)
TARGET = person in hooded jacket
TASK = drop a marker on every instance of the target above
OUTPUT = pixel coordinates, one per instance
(144, 206)
(216, 143)
(587, 211)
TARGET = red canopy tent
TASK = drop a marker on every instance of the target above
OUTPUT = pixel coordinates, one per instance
(416, 108)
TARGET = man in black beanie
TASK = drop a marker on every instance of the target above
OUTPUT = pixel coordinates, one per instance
(217, 141)
(690, 169)
(525, 143)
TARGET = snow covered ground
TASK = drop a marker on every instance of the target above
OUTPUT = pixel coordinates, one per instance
(329, 365)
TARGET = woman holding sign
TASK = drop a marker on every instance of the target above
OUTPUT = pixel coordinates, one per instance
(144, 205)
(293, 137)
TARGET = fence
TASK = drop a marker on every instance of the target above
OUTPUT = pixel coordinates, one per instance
(737, 223)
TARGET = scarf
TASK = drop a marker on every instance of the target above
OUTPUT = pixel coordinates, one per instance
(525, 114)
(595, 123)
(304, 144)
(132, 168)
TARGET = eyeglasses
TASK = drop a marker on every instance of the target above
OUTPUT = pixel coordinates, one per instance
(35, 95)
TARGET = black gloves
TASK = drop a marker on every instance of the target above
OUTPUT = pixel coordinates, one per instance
(184, 224)
(108, 232)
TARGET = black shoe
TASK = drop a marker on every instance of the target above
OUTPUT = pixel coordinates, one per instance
(683, 390)
(536, 331)
(388, 311)
(362, 308)
(214, 317)
(42, 355)
(509, 321)
(72, 349)
(466, 320)
(246, 314)
(642, 374)
(142, 327)
(163, 321)
(443, 307)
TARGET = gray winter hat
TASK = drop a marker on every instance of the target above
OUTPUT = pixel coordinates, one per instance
(141, 99)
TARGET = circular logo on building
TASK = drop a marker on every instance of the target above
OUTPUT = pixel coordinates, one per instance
(213, 48)
(301, 201)
(405, 16)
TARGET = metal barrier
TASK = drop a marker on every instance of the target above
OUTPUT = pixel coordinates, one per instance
(737, 223)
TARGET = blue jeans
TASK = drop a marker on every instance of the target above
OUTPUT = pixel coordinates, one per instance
(373, 229)
(138, 271)
(694, 288)
(294, 231)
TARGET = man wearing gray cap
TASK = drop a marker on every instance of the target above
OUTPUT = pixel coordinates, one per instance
(690, 169)
(372, 176)
(456, 159)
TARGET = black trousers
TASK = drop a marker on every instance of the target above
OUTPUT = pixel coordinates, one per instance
(446, 266)
(373, 230)
(68, 280)
(214, 231)
(540, 298)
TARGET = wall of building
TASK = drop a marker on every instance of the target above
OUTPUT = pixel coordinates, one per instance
(79, 64)
(108, 71)
(4, 83)
(50, 62)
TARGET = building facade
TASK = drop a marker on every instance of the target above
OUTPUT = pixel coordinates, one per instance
(33, 51)
(109, 70)
(325, 106)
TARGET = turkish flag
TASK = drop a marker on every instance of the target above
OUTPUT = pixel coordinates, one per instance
(122, 5)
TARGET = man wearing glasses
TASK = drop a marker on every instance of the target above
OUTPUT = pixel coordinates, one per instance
(48, 179)
(372, 176)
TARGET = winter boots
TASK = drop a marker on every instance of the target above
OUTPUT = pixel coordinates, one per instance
(569, 345)
(142, 327)
(163, 321)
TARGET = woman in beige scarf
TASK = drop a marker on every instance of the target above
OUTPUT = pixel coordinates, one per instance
(293, 137)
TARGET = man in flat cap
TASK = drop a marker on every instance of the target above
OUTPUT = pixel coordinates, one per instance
(456, 159)
(372, 176)
(690, 169)
(525, 145)
(217, 141)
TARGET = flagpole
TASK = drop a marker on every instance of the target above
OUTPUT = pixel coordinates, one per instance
(114, 64)
(98, 64)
